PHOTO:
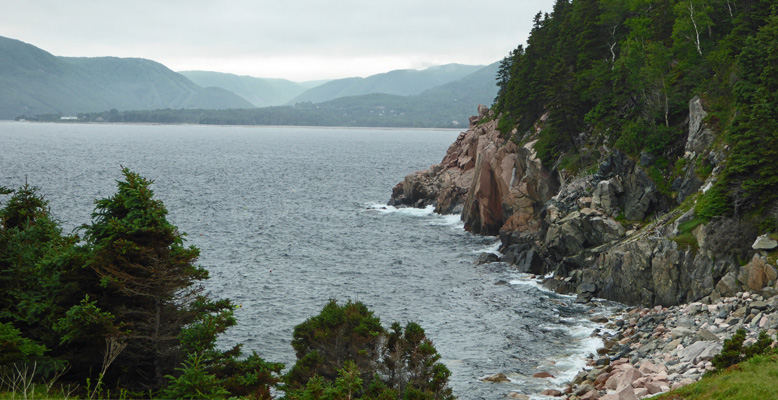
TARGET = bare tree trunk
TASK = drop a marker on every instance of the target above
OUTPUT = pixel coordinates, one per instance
(729, 7)
(155, 338)
(696, 30)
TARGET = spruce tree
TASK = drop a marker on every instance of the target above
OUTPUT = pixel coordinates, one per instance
(147, 279)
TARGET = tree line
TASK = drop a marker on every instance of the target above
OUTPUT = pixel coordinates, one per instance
(621, 74)
(118, 310)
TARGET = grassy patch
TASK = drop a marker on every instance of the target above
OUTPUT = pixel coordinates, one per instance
(685, 238)
(689, 226)
(687, 241)
(755, 379)
(33, 392)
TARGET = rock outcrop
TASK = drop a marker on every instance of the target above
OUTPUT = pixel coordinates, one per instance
(490, 180)
(612, 234)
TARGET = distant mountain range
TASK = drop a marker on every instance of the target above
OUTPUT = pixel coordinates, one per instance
(34, 82)
(403, 82)
(261, 92)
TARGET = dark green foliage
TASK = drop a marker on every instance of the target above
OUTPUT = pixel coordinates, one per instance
(147, 278)
(194, 382)
(338, 334)
(622, 73)
(132, 284)
(15, 349)
(411, 364)
(344, 351)
(38, 266)
(713, 203)
(752, 171)
(348, 385)
(734, 352)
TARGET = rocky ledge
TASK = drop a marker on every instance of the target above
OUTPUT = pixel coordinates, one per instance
(653, 350)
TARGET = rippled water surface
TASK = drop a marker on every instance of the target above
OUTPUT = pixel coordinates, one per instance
(287, 218)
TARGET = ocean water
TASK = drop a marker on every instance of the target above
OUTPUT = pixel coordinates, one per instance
(287, 218)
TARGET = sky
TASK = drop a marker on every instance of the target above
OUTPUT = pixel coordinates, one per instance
(299, 40)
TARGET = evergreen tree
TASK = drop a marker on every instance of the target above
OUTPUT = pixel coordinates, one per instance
(345, 351)
(147, 278)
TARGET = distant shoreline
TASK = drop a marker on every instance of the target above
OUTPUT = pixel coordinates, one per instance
(71, 122)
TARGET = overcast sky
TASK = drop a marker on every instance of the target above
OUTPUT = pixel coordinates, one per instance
(292, 39)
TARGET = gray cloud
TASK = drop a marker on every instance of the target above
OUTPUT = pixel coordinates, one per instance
(294, 39)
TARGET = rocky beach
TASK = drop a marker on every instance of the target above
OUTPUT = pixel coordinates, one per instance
(653, 350)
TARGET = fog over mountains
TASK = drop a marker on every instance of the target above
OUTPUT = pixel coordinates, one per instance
(34, 82)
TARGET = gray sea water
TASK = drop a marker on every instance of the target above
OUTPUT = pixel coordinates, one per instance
(287, 218)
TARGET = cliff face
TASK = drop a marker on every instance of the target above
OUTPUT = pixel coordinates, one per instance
(612, 233)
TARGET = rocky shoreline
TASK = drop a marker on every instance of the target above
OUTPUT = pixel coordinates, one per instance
(648, 351)
(619, 229)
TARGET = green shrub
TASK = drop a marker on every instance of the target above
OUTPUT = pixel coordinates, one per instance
(734, 352)
(713, 203)
(15, 349)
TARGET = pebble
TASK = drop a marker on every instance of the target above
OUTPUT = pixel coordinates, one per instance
(650, 350)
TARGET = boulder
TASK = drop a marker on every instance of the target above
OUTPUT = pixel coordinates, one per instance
(626, 393)
(485, 258)
(496, 378)
(728, 285)
(629, 375)
(517, 395)
(542, 374)
(605, 196)
(764, 242)
(757, 273)
(700, 351)
(525, 258)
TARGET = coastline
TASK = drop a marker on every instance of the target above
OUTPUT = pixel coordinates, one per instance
(388, 128)
(649, 351)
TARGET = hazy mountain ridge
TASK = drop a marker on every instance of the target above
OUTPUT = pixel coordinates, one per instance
(33, 81)
(445, 106)
(38, 85)
(261, 92)
(404, 82)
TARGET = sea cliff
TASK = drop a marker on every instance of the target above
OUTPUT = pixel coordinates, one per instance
(611, 231)
(614, 232)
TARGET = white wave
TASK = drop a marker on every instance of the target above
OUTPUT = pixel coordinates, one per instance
(493, 248)
(410, 211)
(569, 366)
(528, 280)
(454, 220)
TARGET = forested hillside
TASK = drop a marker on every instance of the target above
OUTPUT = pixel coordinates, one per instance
(620, 74)
(33, 81)
(444, 106)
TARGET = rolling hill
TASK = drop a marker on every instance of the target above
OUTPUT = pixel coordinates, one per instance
(33, 81)
(445, 106)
